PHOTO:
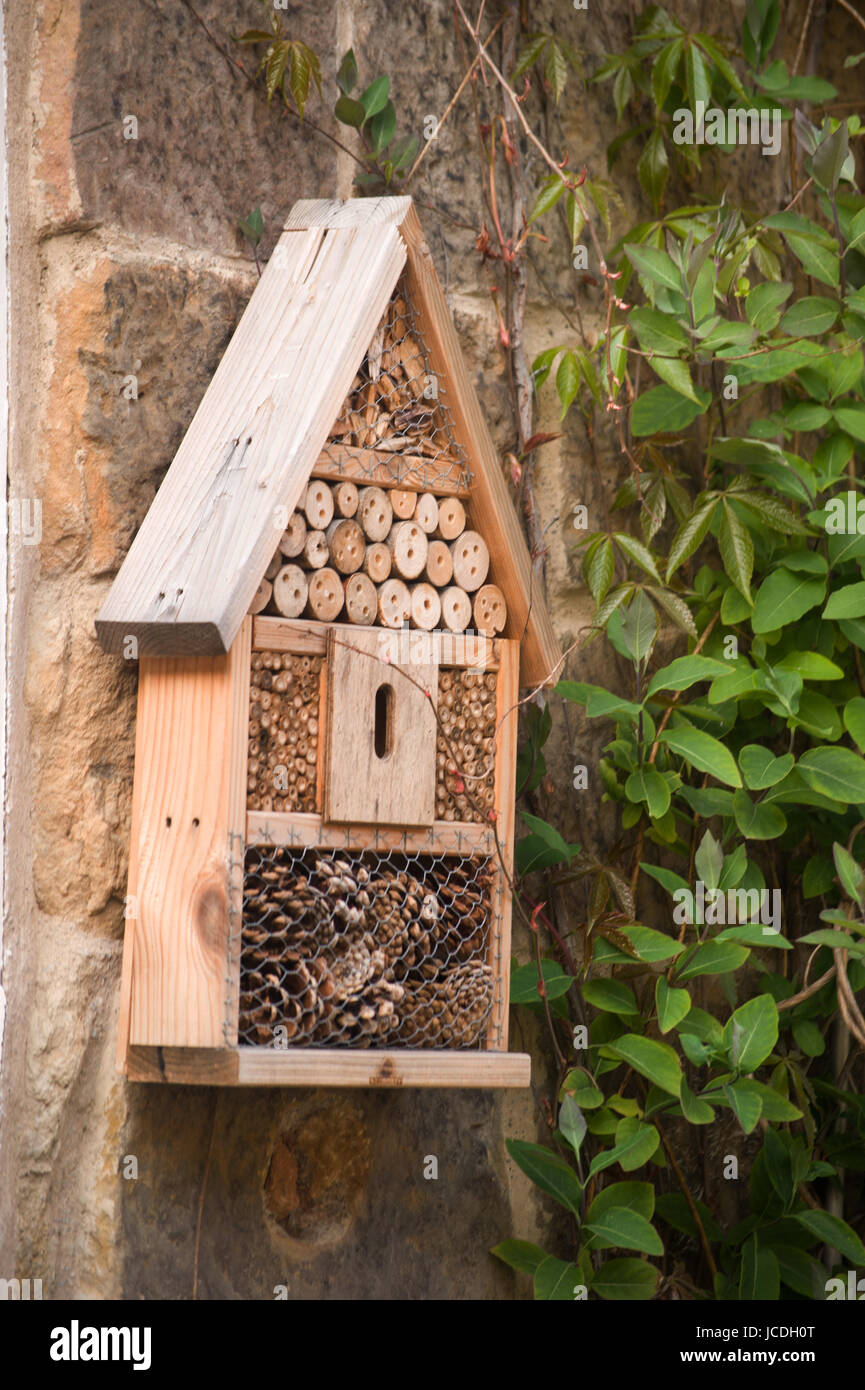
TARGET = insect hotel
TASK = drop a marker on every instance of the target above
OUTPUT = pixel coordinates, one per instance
(331, 603)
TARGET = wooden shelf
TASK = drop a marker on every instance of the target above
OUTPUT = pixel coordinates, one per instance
(299, 829)
(328, 1066)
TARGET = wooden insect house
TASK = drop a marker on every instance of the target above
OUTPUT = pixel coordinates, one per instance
(331, 603)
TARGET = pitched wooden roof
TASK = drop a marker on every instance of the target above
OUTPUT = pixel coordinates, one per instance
(244, 462)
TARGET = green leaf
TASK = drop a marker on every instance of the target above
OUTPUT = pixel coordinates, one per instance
(655, 265)
(375, 97)
(703, 752)
(658, 332)
(759, 1278)
(672, 1004)
(761, 768)
(524, 982)
(599, 568)
(709, 860)
(346, 78)
(811, 666)
(567, 381)
(583, 1089)
(548, 1172)
(783, 598)
(656, 1061)
(713, 958)
(653, 168)
(547, 198)
(829, 157)
(610, 995)
(556, 1280)
(763, 304)
(673, 1208)
(349, 112)
(775, 1107)
(836, 772)
(676, 374)
(648, 786)
(519, 1254)
(854, 720)
(383, 127)
(848, 602)
(695, 1111)
(801, 1272)
(808, 1037)
(746, 1106)
(685, 671)
(635, 550)
(661, 409)
(639, 627)
(651, 946)
(831, 1230)
(758, 820)
(752, 1032)
(572, 1122)
(690, 535)
(635, 1144)
(626, 1229)
(852, 420)
(636, 1196)
(529, 54)
(849, 872)
(810, 317)
(737, 550)
(626, 1280)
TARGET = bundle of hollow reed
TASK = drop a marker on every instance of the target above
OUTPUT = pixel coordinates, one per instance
(283, 732)
(466, 769)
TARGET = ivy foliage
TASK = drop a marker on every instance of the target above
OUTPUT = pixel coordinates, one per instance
(736, 760)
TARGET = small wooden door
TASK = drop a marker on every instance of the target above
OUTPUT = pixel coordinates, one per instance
(380, 763)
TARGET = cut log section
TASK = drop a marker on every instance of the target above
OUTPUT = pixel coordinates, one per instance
(345, 498)
(439, 564)
(408, 546)
(261, 597)
(403, 503)
(318, 505)
(427, 513)
(471, 561)
(451, 519)
(274, 567)
(294, 537)
(326, 595)
(426, 606)
(375, 513)
(361, 600)
(290, 591)
(347, 545)
(490, 610)
(315, 551)
(394, 603)
(456, 609)
(377, 562)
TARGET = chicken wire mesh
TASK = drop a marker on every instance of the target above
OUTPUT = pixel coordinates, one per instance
(398, 406)
(366, 949)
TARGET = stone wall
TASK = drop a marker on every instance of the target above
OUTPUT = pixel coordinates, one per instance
(126, 261)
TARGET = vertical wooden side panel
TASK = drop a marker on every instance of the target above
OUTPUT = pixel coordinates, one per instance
(505, 798)
(188, 801)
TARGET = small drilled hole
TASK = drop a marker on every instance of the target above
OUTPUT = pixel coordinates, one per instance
(195, 822)
(168, 822)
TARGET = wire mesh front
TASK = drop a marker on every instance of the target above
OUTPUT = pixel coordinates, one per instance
(365, 949)
(397, 406)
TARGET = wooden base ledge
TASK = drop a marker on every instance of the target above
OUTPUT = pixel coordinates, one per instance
(325, 1066)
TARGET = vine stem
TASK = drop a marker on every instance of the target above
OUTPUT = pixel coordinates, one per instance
(452, 103)
(668, 712)
(855, 13)
(683, 1183)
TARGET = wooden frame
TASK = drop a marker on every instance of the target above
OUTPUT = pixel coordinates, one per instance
(158, 1041)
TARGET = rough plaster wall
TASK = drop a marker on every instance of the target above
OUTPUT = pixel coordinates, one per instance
(126, 260)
